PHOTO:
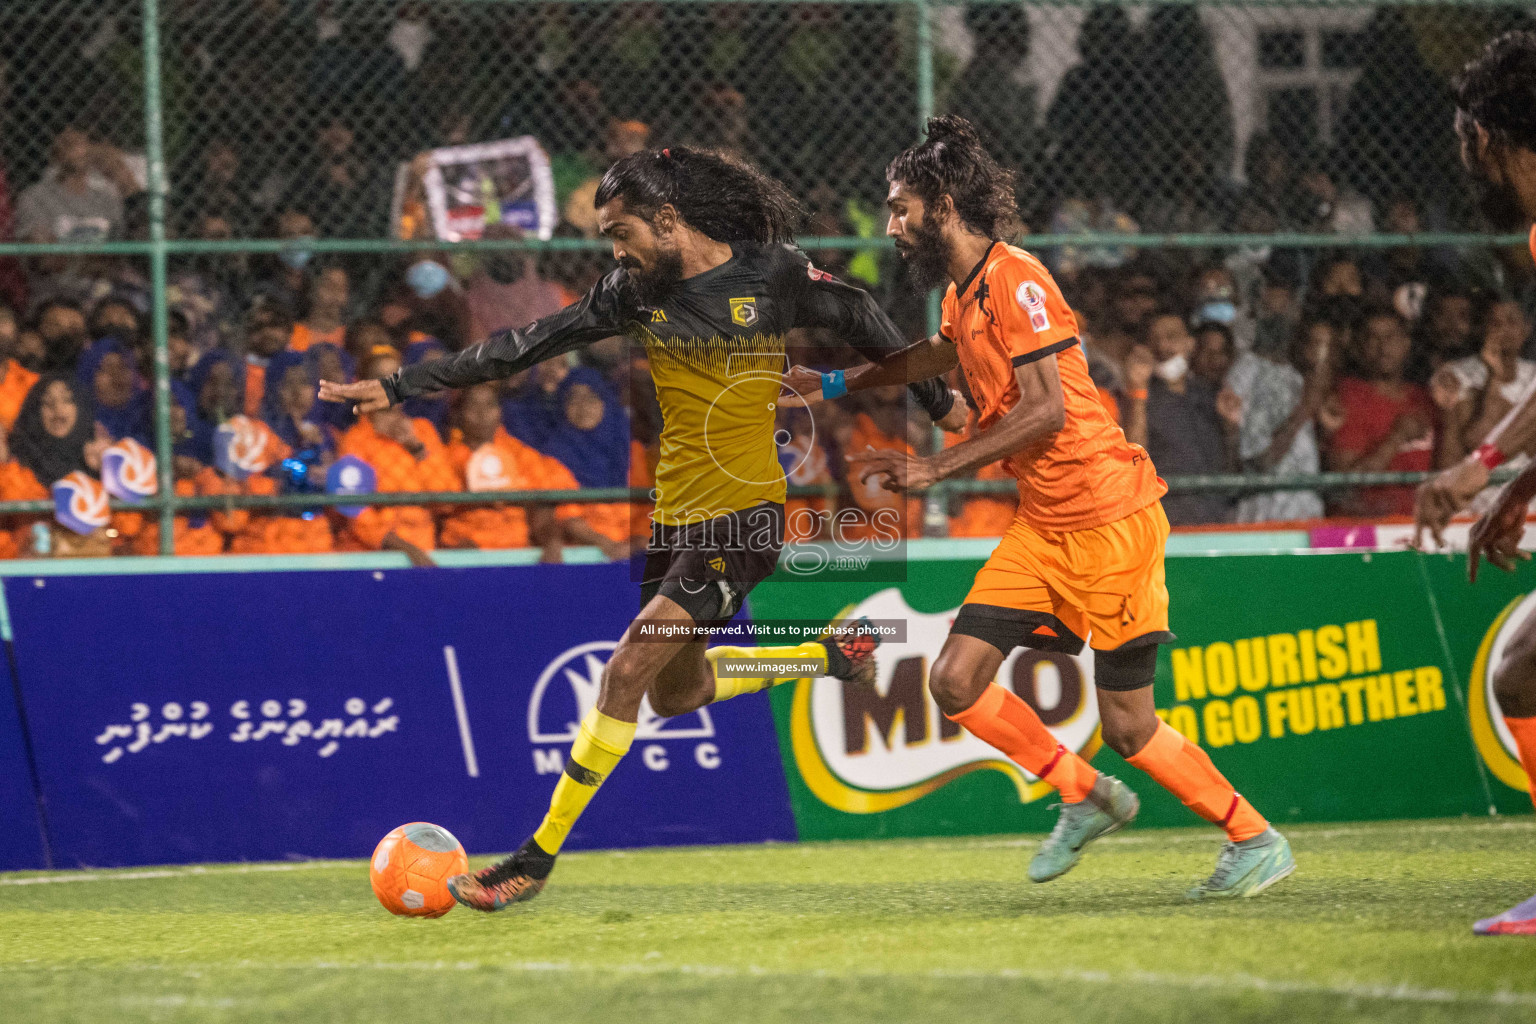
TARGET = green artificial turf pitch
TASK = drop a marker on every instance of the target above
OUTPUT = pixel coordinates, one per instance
(1375, 925)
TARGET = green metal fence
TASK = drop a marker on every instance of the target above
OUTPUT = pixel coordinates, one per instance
(1139, 128)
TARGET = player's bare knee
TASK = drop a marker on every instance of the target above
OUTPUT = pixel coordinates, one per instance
(625, 681)
(1127, 715)
(955, 685)
(1126, 734)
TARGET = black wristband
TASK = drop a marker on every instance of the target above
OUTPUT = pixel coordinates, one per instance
(391, 392)
(948, 403)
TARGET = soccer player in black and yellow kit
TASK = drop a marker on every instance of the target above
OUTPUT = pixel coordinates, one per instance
(709, 282)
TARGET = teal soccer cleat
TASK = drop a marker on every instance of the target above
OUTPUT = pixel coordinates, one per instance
(1247, 868)
(1109, 807)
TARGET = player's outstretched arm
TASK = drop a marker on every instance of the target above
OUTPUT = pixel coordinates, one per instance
(595, 317)
(853, 315)
(1452, 490)
(1039, 413)
(929, 358)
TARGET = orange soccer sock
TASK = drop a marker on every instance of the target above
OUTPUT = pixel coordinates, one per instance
(1524, 730)
(1186, 771)
(1010, 725)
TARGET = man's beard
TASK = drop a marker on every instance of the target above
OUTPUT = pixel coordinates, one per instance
(927, 257)
(654, 285)
(1500, 204)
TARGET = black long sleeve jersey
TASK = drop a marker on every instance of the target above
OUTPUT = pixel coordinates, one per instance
(716, 352)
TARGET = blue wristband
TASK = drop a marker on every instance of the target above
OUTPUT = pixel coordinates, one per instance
(833, 385)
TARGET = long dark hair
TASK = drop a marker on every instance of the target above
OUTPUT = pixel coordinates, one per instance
(952, 161)
(716, 194)
(1497, 89)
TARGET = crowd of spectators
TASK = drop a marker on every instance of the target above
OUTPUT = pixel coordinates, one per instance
(1270, 362)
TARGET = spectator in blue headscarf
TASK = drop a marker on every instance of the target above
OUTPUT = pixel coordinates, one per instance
(591, 437)
(119, 395)
(291, 407)
(420, 347)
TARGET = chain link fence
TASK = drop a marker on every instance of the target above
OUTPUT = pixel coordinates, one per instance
(286, 131)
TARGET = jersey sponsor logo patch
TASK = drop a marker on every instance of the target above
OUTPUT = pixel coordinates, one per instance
(744, 311)
(658, 316)
(1031, 299)
(821, 275)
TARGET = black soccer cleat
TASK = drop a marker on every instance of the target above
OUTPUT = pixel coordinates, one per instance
(851, 651)
(510, 880)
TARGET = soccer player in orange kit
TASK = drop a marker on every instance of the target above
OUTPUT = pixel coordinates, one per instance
(1496, 123)
(1083, 559)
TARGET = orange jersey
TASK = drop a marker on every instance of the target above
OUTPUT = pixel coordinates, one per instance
(13, 391)
(304, 338)
(398, 470)
(1010, 313)
(507, 464)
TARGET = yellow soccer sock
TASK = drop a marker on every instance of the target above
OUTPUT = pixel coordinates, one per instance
(599, 746)
(728, 686)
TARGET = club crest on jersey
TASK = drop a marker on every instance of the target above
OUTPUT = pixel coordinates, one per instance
(744, 311)
(1031, 299)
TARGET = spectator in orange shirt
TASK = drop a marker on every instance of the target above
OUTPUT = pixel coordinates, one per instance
(17, 483)
(806, 464)
(984, 515)
(325, 322)
(406, 455)
(881, 427)
(486, 457)
(15, 380)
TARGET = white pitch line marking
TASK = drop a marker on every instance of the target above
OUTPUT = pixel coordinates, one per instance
(1209, 982)
(470, 764)
(193, 872)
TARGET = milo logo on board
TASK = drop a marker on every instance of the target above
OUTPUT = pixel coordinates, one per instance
(865, 749)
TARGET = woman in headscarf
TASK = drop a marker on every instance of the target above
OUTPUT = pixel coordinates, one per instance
(591, 439)
(290, 406)
(55, 432)
(107, 373)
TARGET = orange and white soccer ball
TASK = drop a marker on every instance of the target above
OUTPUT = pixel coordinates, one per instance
(411, 867)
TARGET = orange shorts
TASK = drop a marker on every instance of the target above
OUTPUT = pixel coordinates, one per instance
(1054, 591)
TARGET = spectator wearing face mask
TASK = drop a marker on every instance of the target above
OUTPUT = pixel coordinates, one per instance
(1475, 392)
(428, 293)
(1187, 421)
(61, 325)
(284, 277)
(1217, 302)
(507, 289)
(1387, 420)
